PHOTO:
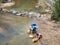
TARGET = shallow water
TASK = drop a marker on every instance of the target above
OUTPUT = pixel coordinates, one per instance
(13, 30)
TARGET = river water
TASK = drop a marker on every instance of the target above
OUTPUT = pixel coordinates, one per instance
(13, 30)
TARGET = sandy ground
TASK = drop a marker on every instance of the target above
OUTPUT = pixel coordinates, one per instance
(50, 32)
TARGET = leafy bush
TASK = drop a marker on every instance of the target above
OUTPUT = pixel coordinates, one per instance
(56, 13)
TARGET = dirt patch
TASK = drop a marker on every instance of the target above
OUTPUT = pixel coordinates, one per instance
(50, 32)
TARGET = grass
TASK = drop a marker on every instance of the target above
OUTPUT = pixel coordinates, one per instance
(24, 4)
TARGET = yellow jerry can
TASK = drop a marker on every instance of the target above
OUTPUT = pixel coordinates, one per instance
(34, 40)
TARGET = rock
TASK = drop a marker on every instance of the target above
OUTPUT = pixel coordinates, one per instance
(13, 11)
(18, 14)
(34, 14)
(7, 4)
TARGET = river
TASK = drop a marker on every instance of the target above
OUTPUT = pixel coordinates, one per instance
(13, 30)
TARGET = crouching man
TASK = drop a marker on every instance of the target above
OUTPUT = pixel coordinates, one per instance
(33, 28)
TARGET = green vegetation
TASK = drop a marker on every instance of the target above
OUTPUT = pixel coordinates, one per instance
(56, 13)
(0, 2)
(24, 4)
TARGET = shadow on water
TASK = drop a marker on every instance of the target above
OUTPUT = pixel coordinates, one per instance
(17, 27)
(14, 32)
(7, 33)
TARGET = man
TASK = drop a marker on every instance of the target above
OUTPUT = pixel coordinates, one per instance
(33, 28)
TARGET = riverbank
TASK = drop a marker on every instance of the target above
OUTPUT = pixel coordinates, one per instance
(50, 32)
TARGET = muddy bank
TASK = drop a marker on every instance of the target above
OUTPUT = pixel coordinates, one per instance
(50, 32)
